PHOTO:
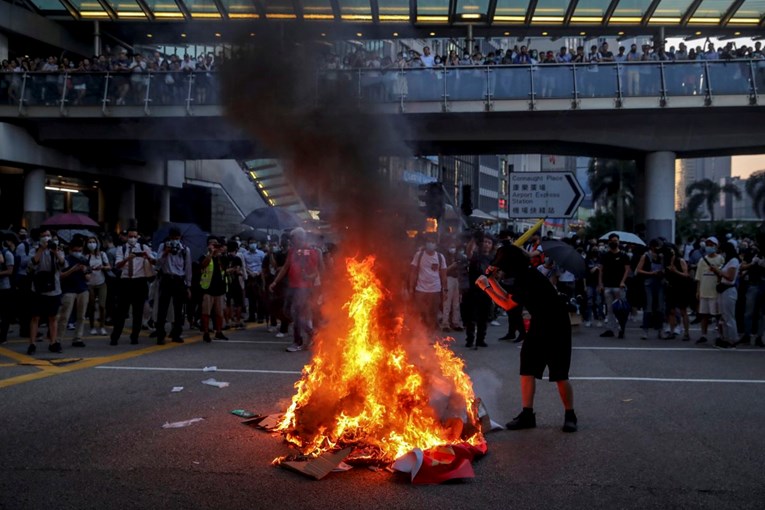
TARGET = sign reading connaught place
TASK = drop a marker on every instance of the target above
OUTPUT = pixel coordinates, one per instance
(544, 194)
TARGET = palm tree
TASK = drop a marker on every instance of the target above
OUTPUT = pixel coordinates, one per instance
(707, 191)
(755, 188)
(613, 181)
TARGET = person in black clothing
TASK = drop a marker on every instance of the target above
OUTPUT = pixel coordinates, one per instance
(213, 287)
(514, 316)
(476, 307)
(548, 341)
(614, 270)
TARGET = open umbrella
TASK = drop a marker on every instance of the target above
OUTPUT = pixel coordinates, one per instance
(625, 237)
(249, 233)
(67, 234)
(273, 218)
(69, 220)
(565, 256)
(192, 236)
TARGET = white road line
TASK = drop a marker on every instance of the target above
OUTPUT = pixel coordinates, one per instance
(662, 379)
(688, 349)
(251, 342)
(173, 369)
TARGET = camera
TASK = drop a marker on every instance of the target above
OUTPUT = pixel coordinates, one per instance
(175, 246)
(52, 245)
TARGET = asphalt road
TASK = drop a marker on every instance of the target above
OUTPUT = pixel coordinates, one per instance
(663, 424)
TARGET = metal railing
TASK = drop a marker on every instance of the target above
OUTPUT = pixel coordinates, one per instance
(488, 85)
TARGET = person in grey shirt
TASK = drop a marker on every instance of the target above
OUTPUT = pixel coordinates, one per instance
(22, 255)
(45, 267)
(255, 285)
(174, 261)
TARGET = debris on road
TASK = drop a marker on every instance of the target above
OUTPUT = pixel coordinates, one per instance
(210, 369)
(217, 384)
(319, 467)
(176, 389)
(181, 424)
(242, 413)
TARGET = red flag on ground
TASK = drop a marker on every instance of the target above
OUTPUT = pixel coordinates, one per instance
(441, 463)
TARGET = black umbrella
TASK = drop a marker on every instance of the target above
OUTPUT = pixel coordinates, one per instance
(191, 235)
(565, 256)
(273, 218)
(10, 235)
(246, 234)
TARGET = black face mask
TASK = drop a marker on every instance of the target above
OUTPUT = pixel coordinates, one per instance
(613, 246)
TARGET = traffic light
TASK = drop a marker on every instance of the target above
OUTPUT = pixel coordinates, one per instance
(432, 199)
(467, 199)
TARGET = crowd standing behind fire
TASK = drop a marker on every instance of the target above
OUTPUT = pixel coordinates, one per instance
(43, 281)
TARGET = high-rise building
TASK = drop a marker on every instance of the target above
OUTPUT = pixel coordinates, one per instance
(688, 171)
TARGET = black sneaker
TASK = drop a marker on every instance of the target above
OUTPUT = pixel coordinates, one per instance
(607, 334)
(220, 336)
(509, 336)
(686, 337)
(520, 339)
(701, 340)
(31, 349)
(178, 340)
(469, 345)
(621, 334)
(569, 422)
(206, 338)
(55, 347)
(78, 343)
(482, 344)
(133, 341)
(745, 340)
(525, 420)
(160, 341)
(722, 344)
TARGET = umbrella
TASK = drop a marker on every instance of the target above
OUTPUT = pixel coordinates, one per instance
(246, 234)
(192, 236)
(69, 220)
(565, 256)
(273, 218)
(9, 234)
(625, 237)
(67, 234)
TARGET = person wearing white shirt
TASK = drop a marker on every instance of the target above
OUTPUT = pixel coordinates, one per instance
(132, 259)
(255, 286)
(427, 57)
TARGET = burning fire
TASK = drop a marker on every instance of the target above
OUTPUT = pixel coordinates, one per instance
(373, 387)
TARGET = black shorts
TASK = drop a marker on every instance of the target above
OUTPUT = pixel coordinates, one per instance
(45, 306)
(547, 348)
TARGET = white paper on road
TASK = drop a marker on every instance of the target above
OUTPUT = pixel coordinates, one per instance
(342, 467)
(213, 382)
(176, 389)
(180, 424)
(210, 369)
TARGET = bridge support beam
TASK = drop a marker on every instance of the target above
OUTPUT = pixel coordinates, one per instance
(164, 205)
(34, 197)
(660, 195)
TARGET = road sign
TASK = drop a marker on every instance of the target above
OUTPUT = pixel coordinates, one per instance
(544, 195)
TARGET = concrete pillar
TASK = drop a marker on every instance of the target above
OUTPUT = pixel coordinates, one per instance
(96, 38)
(34, 198)
(660, 195)
(3, 46)
(164, 206)
(127, 207)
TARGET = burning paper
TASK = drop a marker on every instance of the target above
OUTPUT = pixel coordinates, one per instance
(377, 387)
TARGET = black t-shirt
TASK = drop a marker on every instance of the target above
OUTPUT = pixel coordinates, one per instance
(477, 267)
(548, 311)
(613, 267)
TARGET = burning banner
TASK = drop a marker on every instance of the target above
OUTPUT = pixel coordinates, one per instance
(373, 387)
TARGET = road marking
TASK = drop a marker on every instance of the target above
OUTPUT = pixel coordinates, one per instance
(685, 349)
(17, 356)
(251, 342)
(87, 363)
(174, 369)
(662, 379)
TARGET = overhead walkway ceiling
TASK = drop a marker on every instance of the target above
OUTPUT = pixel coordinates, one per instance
(427, 18)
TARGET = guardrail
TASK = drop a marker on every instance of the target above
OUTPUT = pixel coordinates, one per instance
(442, 86)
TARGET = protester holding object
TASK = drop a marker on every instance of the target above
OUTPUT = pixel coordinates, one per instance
(706, 291)
(45, 265)
(548, 341)
(727, 296)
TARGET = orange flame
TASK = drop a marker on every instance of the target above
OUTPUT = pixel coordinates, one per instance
(375, 387)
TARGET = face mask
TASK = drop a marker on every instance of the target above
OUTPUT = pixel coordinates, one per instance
(276, 249)
(132, 241)
(22, 236)
(613, 245)
(710, 250)
(92, 246)
(452, 250)
(430, 246)
(253, 247)
(77, 255)
(45, 239)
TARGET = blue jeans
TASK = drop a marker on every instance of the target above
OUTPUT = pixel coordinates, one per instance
(654, 303)
(594, 305)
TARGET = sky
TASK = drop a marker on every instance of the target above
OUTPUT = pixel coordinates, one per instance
(743, 166)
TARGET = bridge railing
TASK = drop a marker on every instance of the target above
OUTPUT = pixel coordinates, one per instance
(443, 85)
(532, 83)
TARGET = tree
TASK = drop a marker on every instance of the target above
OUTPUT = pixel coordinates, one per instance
(600, 223)
(612, 182)
(755, 188)
(707, 191)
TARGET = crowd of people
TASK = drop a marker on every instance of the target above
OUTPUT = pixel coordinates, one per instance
(103, 281)
(133, 78)
(717, 284)
(378, 83)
